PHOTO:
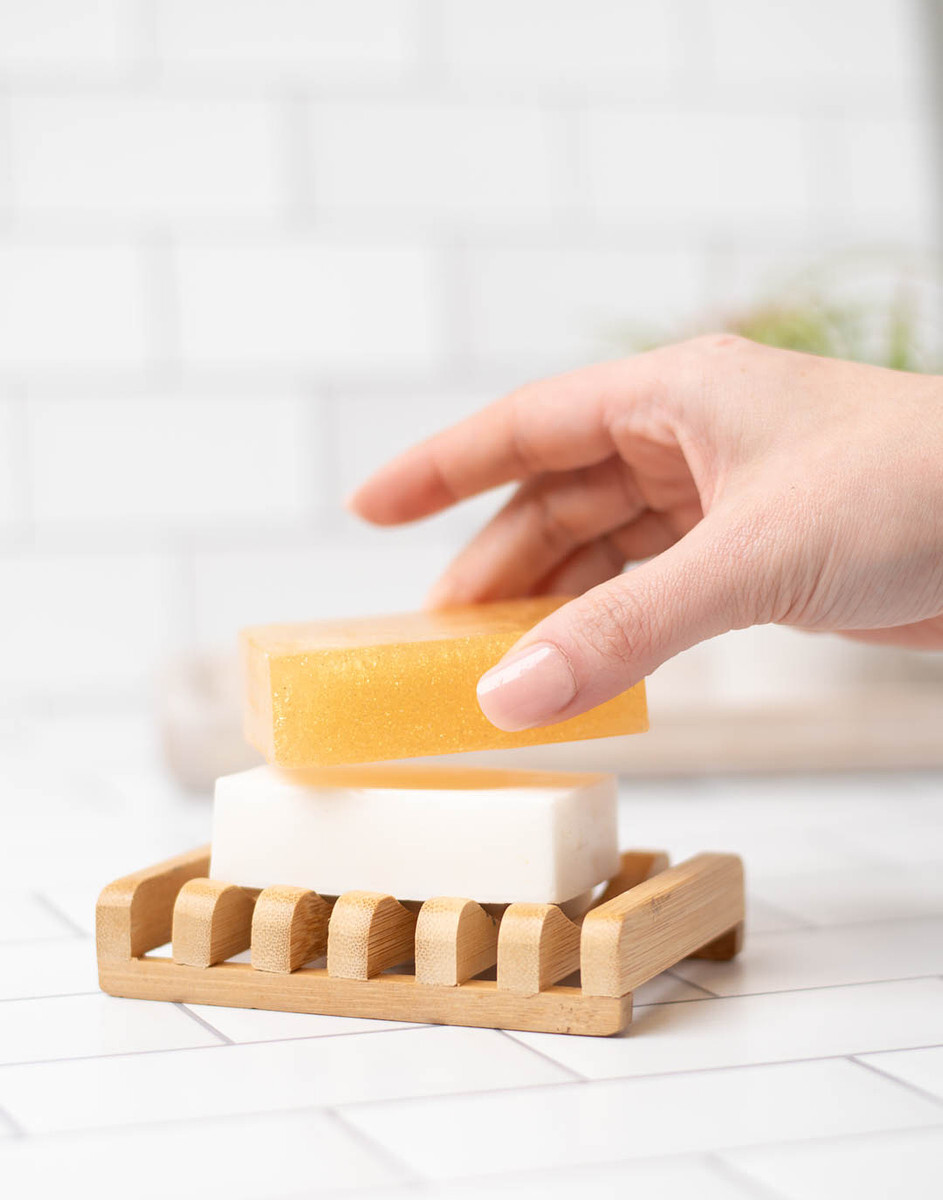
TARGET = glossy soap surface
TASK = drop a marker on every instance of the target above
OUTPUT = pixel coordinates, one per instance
(353, 691)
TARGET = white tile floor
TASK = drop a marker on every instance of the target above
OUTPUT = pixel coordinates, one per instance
(812, 1067)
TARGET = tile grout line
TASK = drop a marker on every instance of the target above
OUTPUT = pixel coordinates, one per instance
(37, 1062)
(795, 991)
(51, 907)
(575, 1075)
(16, 1129)
(404, 1171)
(733, 1174)
(184, 1008)
(606, 1079)
(904, 1083)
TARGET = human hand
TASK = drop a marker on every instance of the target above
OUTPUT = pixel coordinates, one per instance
(757, 485)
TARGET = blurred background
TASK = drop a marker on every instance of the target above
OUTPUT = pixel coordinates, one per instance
(248, 250)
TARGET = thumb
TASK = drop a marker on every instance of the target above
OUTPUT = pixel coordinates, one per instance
(612, 636)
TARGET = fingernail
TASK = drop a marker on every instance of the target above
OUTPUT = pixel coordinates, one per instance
(528, 688)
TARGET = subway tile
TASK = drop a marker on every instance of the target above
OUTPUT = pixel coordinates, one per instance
(743, 1030)
(67, 306)
(132, 1089)
(830, 47)
(566, 48)
(372, 429)
(869, 1168)
(157, 156)
(697, 169)
(662, 1179)
(303, 304)
(358, 576)
(64, 966)
(13, 509)
(813, 958)
(888, 186)
(621, 1120)
(553, 307)
(474, 162)
(177, 460)
(59, 38)
(243, 1158)
(118, 622)
(301, 40)
(849, 896)
(79, 1027)
(921, 1069)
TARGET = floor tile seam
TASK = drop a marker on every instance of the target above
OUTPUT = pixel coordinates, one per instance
(604, 1080)
(315, 1037)
(859, 1061)
(43, 940)
(795, 991)
(188, 1012)
(742, 1180)
(575, 1076)
(48, 996)
(540, 1174)
(51, 907)
(709, 1155)
(17, 1132)
(826, 926)
(403, 1169)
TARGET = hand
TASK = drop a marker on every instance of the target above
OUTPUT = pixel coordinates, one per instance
(752, 485)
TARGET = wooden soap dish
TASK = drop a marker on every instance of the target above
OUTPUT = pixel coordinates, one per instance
(649, 918)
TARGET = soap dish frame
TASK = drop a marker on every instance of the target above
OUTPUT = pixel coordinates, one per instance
(649, 918)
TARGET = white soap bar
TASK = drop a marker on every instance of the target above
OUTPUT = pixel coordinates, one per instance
(415, 833)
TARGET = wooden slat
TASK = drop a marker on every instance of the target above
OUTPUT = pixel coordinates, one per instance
(641, 933)
(368, 933)
(537, 946)
(212, 921)
(390, 997)
(289, 928)
(635, 867)
(135, 914)
(455, 940)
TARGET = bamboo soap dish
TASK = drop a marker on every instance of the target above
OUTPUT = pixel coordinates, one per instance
(649, 918)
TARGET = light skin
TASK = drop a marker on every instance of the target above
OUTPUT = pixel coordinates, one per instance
(750, 485)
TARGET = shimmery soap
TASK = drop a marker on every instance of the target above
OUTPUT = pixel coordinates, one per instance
(364, 690)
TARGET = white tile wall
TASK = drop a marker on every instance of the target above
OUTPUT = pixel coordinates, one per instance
(71, 306)
(58, 38)
(298, 303)
(122, 614)
(247, 248)
(710, 169)
(186, 461)
(164, 157)
(473, 162)
(566, 47)
(310, 41)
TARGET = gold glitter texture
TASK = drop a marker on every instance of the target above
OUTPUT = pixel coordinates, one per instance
(325, 693)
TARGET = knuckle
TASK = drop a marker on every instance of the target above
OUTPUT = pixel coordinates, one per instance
(721, 343)
(617, 626)
(555, 530)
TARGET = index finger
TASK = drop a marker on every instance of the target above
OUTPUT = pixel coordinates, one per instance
(555, 425)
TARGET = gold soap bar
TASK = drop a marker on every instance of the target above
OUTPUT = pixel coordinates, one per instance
(352, 691)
